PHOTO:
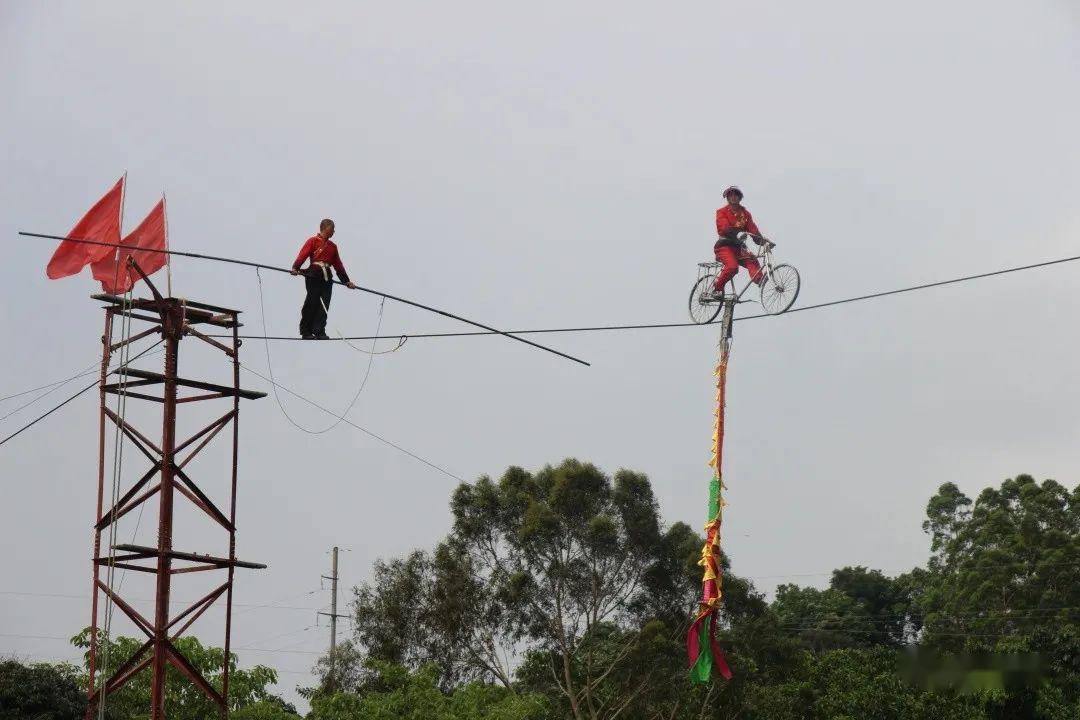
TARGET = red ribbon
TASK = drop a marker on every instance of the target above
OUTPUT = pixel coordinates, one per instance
(693, 647)
(719, 659)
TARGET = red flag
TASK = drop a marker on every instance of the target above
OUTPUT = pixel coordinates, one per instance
(113, 271)
(101, 224)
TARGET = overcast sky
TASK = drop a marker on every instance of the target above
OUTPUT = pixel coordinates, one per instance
(537, 166)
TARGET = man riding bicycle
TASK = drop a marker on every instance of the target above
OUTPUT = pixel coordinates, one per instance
(731, 220)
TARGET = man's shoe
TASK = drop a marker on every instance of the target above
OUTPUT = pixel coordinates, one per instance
(307, 336)
(715, 296)
(322, 336)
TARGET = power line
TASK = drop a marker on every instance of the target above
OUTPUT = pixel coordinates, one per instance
(94, 384)
(652, 326)
(23, 655)
(276, 603)
(50, 412)
(55, 383)
(70, 596)
(33, 637)
(35, 657)
(371, 291)
(838, 631)
(928, 616)
(67, 639)
(287, 652)
(294, 672)
(252, 646)
(43, 395)
(350, 422)
(1027, 564)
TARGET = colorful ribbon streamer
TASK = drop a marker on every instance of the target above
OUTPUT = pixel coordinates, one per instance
(702, 649)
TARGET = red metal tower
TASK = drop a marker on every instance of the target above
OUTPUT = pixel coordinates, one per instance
(174, 319)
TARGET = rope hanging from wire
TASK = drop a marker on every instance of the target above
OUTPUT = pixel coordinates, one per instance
(401, 340)
(340, 417)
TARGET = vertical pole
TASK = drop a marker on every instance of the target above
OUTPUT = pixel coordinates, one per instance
(704, 652)
(168, 257)
(172, 329)
(331, 678)
(333, 603)
(106, 352)
(232, 513)
(333, 619)
(725, 328)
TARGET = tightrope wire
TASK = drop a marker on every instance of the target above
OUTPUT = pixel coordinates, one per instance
(652, 326)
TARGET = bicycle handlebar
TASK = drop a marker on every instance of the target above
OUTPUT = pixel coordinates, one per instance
(759, 239)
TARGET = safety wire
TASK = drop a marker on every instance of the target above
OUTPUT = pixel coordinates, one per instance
(340, 417)
(401, 340)
(45, 394)
(118, 463)
(49, 388)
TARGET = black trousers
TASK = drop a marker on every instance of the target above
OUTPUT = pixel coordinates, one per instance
(312, 314)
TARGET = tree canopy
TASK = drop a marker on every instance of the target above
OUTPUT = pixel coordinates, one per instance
(567, 584)
(562, 593)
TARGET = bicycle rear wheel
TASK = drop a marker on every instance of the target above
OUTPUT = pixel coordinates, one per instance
(703, 310)
(779, 290)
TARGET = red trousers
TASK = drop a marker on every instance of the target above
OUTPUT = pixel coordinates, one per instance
(732, 257)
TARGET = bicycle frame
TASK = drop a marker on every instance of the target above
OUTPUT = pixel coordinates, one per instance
(712, 269)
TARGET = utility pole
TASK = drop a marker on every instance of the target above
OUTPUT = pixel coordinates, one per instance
(333, 614)
(333, 578)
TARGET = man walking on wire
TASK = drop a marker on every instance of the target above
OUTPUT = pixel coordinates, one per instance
(323, 255)
(731, 220)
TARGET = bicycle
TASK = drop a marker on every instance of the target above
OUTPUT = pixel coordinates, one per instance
(779, 289)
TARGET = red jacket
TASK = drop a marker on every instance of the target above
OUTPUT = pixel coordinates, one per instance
(730, 218)
(320, 250)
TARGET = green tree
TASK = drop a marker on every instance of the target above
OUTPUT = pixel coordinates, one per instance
(183, 700)
(266, 710)
(1007, 565)
(569, 577)
(558, 556)
(572, 572)
(1004, 576)
(42, 691)
(850, 684)
(884, 600)
(396, 693)
(339, 671)
(426, 608)
(823, 619)
(860, 608)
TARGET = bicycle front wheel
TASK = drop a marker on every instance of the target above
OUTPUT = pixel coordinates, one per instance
(779, 290)
(703, 309)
